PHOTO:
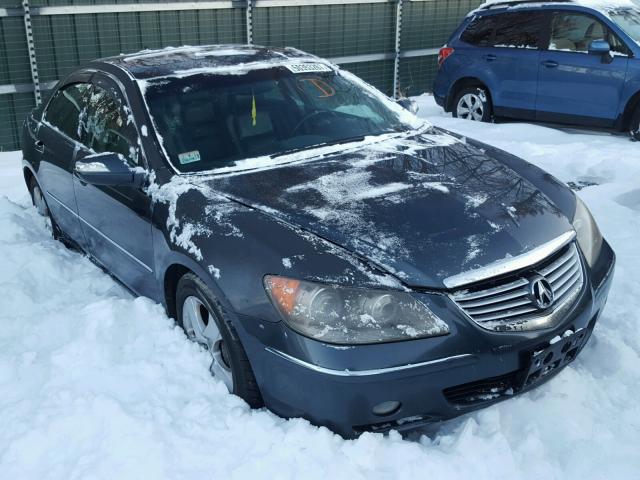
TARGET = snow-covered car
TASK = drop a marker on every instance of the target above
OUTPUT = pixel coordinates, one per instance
(340, 259)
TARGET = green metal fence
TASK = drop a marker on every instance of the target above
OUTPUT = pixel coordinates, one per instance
(360, 35)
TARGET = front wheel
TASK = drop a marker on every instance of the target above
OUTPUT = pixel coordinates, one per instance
(472, 103)
(634, 129)
(203, 320)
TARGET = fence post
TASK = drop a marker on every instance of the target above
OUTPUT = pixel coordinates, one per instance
(31, 46)
(396, 59)
(250, 22)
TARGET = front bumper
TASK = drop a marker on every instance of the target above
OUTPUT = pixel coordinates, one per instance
(432, 379)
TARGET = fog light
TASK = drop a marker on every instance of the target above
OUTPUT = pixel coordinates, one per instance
(386, 408)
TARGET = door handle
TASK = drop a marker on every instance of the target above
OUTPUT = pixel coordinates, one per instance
(39, 146)
(550, 64)
(490, 57)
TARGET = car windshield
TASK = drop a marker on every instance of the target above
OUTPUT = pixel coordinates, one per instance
(628, 19)
(209, 121)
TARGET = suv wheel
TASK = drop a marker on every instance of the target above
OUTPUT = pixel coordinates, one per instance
(472, 103)
(202, 318)
(634, 127)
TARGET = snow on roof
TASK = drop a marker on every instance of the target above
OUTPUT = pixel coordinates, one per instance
(217, 58)
(596, 4)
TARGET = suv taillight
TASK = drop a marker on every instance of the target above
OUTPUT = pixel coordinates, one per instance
(445, 52)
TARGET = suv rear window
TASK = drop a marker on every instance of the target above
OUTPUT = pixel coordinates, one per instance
(514, 30)
(479, 32)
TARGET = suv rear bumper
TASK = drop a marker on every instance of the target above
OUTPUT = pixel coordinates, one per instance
(478, 369)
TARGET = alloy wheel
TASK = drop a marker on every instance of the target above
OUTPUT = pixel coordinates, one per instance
(201, 326)
(470, 107)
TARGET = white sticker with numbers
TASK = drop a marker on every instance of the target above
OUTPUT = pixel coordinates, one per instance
(308, 67)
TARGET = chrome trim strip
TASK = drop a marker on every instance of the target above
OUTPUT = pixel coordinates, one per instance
(365, 373)
(509, 265)
(139, 262)
(62, 204)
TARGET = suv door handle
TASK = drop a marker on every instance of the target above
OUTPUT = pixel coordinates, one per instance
(550, 64)
(490, 57)
(39, 146)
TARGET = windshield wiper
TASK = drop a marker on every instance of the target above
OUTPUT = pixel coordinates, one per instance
(358, 138)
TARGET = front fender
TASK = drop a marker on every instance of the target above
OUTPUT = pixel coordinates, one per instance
(232, 247)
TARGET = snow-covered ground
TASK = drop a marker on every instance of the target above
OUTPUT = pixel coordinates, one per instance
(97, 384)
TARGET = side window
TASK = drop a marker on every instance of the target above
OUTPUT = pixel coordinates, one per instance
(67, 107)
(573, 32)
(517, 30)
(479, 32)
(109, 125)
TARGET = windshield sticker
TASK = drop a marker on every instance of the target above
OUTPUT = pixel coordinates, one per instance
(189, 157)
(308, 67)
(322, 88)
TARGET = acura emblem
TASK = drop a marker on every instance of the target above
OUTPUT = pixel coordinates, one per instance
(541, 292)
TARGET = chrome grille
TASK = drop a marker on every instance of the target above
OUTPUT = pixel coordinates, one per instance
(508, 306)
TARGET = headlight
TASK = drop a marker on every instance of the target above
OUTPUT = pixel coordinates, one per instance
(587, 232)
(345, 315)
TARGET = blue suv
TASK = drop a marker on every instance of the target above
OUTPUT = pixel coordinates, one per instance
(563, 61)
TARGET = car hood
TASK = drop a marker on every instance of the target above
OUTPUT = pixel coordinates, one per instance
(423, 207)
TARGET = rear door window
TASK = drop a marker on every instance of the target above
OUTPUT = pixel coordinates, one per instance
(479, 32)
(518, 30)
(67, 108)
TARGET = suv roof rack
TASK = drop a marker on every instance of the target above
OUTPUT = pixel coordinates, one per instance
(508, 3)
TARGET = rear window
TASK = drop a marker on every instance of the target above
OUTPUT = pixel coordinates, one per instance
(479, 32)
(512, 30)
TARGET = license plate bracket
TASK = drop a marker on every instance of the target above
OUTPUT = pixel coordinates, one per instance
(555, 356)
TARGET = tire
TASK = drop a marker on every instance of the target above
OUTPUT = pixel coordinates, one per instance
(202, 318)
(40, 202)
(473, 103)
(634, 126)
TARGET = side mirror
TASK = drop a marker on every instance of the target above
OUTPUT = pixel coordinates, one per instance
(408, 104)
(108, 169)
(599, 47)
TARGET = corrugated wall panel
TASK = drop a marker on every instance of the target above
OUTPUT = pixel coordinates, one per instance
(13, 110)
(427, 25)
(328, 30)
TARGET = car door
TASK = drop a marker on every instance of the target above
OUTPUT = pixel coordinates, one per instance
(116, 220)
(575, 85)
(57, 142)
(507, 52)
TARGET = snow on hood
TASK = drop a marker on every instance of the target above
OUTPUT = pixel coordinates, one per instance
(422, 208)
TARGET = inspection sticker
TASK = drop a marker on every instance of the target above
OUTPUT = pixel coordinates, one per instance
(308, 67)
(189, 157)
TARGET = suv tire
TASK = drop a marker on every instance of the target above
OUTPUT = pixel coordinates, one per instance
(472, 103)
(634, 126)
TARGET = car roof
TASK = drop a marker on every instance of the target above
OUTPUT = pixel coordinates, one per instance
(175, 60)
(599, 5)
